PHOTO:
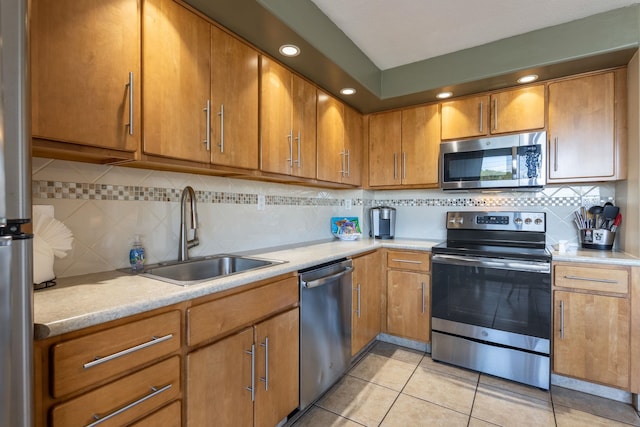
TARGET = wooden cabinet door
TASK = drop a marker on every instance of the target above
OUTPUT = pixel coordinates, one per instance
(177, 75)
(234, 102)
(331, 155)
(304, 128)
(420, 145)
(518, 110)
(465, 118)
(81, 54)
(367, 294)
(591, 337)
(408, 302)
(276, 133)
(218, 377)
(385, 148)
(353, 146)
(277, 368)
(582, 141)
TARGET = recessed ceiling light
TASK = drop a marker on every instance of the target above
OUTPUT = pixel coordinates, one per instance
(528, 79)
(444, 95)
(289, 50)
(347, 91)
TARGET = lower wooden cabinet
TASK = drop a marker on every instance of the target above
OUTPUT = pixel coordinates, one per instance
(367, 295)
(114, 374)
(124, 400)
(247, 379)
(409, 295)
(592, 323)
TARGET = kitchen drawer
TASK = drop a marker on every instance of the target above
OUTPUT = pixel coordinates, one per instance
(169, 416)
(599, 278)
(124, 400)
(217, 317)
(406, 260)
(86, 360)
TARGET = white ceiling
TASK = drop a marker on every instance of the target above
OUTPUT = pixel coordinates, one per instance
(398, 32)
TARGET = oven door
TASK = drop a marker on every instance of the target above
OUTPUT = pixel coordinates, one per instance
(502, 301)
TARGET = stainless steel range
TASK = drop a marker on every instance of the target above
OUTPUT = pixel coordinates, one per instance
(491, 295)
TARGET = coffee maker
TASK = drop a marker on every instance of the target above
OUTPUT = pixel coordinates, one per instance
(382, 222)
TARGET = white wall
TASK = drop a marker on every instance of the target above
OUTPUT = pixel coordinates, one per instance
(105, 206)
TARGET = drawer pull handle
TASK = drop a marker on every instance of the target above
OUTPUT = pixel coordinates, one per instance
(154, 392)
(588, 279)
(99, 360)
(408, 261)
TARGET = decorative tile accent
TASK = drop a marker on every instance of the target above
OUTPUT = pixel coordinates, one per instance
(90, 191)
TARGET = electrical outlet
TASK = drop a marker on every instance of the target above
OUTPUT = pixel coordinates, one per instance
(261, 202)
(588, 201)
(347, 204)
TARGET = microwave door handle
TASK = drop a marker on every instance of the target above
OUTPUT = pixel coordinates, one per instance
(514, 162)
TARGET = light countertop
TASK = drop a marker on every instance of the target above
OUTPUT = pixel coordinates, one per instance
(87, 300)
(82, 301)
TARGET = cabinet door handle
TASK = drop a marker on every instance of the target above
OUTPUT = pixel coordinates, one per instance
(358, 306)
(348, 156)
(395, 165)
(154, 392)
(555, 154)
(589, 279)
(290, 138)
(404, 165)
(495, 114)
(299, 161)
(265, 379)
(221, 115)
(343, 161)
(481, 115)
(207, 115)
(131, 99)
(424, 303)
(252, 387)
(561, 320)
(100, 360)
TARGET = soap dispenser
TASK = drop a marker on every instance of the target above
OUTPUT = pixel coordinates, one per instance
(136, 254)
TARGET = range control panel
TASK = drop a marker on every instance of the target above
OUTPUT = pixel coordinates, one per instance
(503, 221)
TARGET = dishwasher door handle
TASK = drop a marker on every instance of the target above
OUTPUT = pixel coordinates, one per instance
(326, 279)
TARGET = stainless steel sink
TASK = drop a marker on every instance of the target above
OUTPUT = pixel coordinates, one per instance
(200, 270)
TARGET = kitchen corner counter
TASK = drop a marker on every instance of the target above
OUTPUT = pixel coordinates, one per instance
(82, 301)
(593, 256)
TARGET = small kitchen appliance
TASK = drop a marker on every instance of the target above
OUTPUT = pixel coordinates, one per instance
(382, 222)
(491, 295)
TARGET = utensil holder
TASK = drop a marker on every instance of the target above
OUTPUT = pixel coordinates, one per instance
(597, 238)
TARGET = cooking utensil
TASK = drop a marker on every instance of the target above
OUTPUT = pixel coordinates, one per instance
(609, 213)
(616, 222)
(596, 211)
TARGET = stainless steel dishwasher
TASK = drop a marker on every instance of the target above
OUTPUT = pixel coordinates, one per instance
(325, 327)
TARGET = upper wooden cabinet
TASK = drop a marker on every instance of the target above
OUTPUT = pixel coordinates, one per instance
(288, 122)
(353, 146)
(587, 121)
(501, 112)
(177, 75)
(234, 102)
(404, 147)
(85, 73)
(339, 141)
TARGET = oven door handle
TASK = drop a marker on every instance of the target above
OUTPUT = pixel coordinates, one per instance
(503, 264)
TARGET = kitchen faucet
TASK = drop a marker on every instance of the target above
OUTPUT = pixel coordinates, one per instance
(186, 244)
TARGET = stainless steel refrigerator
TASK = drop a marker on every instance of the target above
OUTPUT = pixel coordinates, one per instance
(16, 268)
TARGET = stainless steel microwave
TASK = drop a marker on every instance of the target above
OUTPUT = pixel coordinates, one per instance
(511, 161)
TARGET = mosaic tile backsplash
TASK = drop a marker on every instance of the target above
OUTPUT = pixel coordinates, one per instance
(105, 206)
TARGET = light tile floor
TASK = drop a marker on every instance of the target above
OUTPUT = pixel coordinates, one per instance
(395, 386)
